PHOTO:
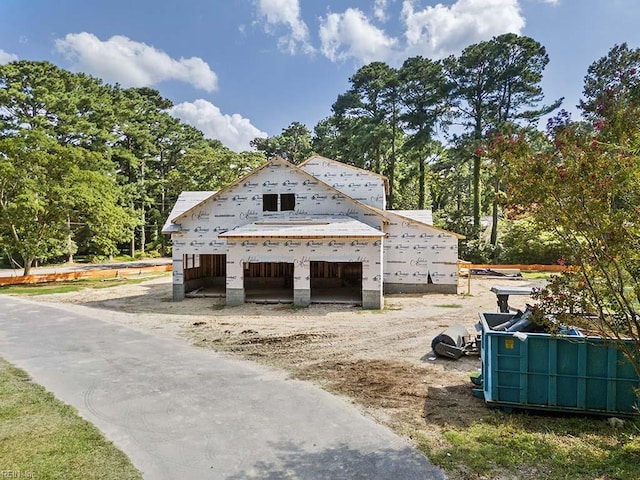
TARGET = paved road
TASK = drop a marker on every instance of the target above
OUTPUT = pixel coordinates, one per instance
(182, 412)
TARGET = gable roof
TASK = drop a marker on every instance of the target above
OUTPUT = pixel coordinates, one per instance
(170, 226)
(422, 216)
(186, 201)
(351, 167)
(406, 214)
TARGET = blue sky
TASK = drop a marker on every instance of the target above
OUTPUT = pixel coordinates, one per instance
(238, 69)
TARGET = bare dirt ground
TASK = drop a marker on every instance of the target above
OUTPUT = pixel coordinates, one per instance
(381, 360)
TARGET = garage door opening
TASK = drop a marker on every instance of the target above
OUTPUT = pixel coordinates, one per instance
(336, 282)
(268, 282)
(205, 275)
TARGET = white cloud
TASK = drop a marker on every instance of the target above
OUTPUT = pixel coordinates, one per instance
(287, 12)
(380, 10)
(351, 35)
(441, 30)
(431, 31)
(552, 2)
(234, 131)
(133, 64)
(6, 57)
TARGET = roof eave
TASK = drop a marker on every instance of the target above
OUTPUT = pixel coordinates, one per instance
(413, 220)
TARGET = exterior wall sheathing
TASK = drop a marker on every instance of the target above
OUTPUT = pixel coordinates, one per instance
(413, 257)
(419, 258)
(301, 252)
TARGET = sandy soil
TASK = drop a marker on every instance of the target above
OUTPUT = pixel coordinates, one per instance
(382, 360)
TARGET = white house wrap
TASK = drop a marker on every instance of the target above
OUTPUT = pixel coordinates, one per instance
(310, 229)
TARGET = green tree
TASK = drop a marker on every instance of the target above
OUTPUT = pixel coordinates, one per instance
(501, 148)
(333, 138)
(497, 82)
(369, 112)
(171, 139)
(48, 190)
(449, 186)
(527, 242)
(293, 144)
(424, 92)
(612, 93)
(588, 192)
(149, 143)
(210, 166)
(56, 130)
(138, 111)
(73, 108)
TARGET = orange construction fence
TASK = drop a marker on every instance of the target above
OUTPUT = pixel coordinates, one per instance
(95, 273)
(116, 272)
(525, 268)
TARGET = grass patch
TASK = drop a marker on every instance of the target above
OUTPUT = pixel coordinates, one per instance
(391, 306)
(67, 286)
(448, 305)
(40, 437)
(537, 275)
(539, 447)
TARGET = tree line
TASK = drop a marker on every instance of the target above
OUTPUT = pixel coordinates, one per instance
(93, 169)
(426, 126)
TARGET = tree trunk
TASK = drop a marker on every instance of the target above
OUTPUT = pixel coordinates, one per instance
(143, 238)
(421, 183)
(477, 165)
(163, 237)
(14, 265)
(27, 265)
(392, 161)
(476, 191)
(69, 239)
(132, 245)
(494, 223)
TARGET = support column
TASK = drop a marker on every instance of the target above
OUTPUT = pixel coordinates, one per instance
(235, 277)
(373, 278)
(235, 296)
(178, 279)
(372, 299)
(302, 282)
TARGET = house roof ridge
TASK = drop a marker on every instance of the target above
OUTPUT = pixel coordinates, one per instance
(288, 165)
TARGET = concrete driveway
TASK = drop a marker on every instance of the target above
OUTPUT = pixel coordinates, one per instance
(182, 412)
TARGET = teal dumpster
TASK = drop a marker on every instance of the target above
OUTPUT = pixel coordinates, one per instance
(566, 373)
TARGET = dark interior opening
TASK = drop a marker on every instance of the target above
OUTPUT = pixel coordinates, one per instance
(287, 201)
(336, 282)
(270, 202)
(205, 277)
(268, 282)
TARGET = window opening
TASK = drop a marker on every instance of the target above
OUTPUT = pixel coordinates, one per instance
(287, 202)
(270, 202)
